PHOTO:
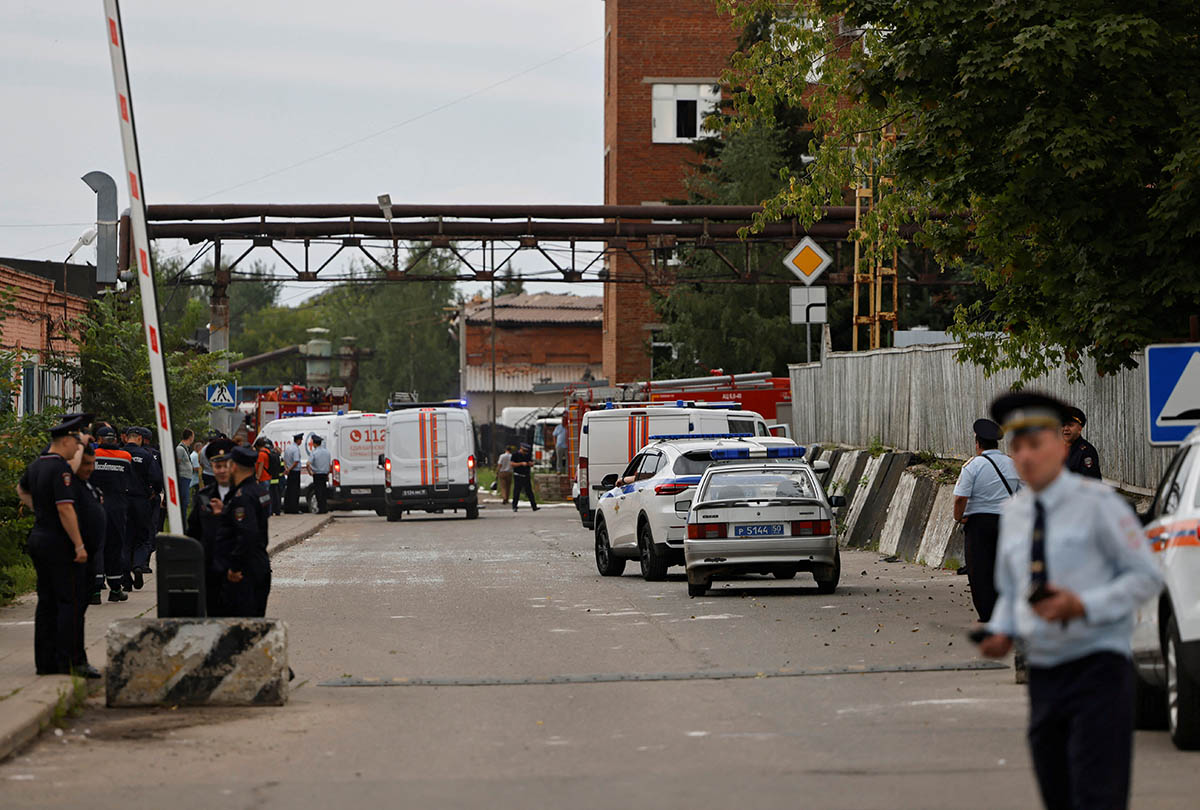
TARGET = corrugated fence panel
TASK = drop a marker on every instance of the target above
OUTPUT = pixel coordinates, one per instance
(921, 399)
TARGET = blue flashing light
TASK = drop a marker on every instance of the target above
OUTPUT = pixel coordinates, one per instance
(665, 437)
(608, 406)
(341, 412)
(679, 403)
(462, 402)
(729, 453)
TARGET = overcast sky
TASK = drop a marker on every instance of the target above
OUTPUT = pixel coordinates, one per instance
(226, 92)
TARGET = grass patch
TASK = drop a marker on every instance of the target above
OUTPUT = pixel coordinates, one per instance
(70, 702)
(952, 564)
(17, 579)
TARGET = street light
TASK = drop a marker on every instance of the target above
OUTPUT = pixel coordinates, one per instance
(385, 205)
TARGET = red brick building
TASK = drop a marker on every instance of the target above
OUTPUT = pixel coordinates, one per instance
(663, 59)
(33, 328)
(541, 339)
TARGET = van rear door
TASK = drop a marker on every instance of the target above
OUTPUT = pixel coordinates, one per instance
(360, 440)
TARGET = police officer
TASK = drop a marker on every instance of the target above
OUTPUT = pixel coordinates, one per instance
(241, 547)
(1082, 458)
(291, 471)
(89, 511)
(522, 467)
(113, 477)
(319, 463)
(1072, 569)
(985, 483)
(157, 503)
(141, 504)
(56, 547)
(204, 521)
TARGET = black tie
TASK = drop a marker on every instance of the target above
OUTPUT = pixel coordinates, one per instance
(1037, 548)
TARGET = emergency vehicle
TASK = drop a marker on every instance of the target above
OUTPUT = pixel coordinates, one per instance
(428, 460)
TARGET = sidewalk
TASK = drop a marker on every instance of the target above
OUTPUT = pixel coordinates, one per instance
(28, 701)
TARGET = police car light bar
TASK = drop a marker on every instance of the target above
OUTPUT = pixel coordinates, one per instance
(727, 453)
(666, 437)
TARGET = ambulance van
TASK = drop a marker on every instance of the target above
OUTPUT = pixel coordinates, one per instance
(610, 437)
(355, 441)
(428, 460)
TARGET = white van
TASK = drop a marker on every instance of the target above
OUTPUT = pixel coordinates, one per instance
(429, 460)
(280, 433)
(355, 441)
(609, 439)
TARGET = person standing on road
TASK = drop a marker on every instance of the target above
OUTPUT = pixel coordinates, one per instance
(204, 522)
(142, 494)
(318, 467)
(522, 466)
(985, 483)
(113, 476)
(183, 468)
(242, 541)
(55, 546)
(1082, 458)
(206, 473)
(275, 485)
(1072, 568)
(291, 471)
(560, 445)
(504, 473)
(89, 511)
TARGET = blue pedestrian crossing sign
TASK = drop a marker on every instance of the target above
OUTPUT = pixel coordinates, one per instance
(222, 395)
(1173, 391)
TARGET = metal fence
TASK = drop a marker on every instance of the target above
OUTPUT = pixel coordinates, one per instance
(921, 399)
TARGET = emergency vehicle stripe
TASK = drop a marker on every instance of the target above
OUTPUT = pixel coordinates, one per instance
(421, 434)
(1174, 535)
(433, 448)
(632, 450)
(115, 36)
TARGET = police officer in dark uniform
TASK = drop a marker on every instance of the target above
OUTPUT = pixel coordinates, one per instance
(141, 497)
(157, 503)
(56, 547)
(1082, 458)
(241, 546)
(89, 510)
(204, 521)
(113, 477)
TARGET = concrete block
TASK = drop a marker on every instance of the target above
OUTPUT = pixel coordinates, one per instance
(869, 523)
(838, 482)
(864, 487)
(941, 526)
(919, 508)
(169, 662)
(897, 514)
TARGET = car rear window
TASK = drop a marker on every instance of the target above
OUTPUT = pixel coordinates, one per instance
(759, 485)
(692, 464)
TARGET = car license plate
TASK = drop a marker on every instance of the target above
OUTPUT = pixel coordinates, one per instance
(360, 492)
(413, 492)
(759, 530)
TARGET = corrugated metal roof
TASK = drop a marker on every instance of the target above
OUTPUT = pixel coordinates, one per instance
(524, 377)
(538, 308)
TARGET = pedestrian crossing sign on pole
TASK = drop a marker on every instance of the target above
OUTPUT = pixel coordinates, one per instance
(222, 395)
(1173, 391)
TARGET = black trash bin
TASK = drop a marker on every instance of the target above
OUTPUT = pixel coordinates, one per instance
(180, 570)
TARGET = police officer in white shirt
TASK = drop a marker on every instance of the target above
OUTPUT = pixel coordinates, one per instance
(319, 463)
(291, 474)
(985, 483)
(1072, 568)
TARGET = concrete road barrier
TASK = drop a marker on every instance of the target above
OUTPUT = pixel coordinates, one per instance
(173, 662)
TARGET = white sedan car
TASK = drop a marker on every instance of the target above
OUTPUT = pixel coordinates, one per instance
(636, 517)
(760, 517)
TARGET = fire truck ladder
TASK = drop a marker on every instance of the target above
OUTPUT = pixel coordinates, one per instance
(872, 274)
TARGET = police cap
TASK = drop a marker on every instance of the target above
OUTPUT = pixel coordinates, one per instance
(1020, 412)
(218, 449)
(317, 439)
(1076, 415)
(70, 423)
(987, 430)
(298, 437)
(106, 432)
(244, 456)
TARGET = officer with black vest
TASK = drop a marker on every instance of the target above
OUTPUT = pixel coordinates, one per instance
(56, 547)
(113, 476)
(204, 521)
(157, 503)
(241, 546)
(141, 503)
(1082, 459)
(89, 509)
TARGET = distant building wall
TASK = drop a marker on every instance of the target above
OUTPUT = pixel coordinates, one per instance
(34, 331)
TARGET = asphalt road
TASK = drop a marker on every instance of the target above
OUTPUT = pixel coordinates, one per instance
(518, 598)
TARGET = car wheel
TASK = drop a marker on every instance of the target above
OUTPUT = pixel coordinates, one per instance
(472, 511)
(654, 561)
(1183, 695)
(310, 502)
(827, 579)
(697, 588)
(1149, 704)
(381, 511)
(607, 563)
(785, 573)
(394, 513)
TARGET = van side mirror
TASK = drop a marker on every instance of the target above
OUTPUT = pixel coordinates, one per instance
(683, 507)
(382, 461)
(609, 481)
(837, 501)
(782, 430)
(820, 466)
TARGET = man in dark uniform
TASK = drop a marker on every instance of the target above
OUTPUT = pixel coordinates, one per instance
(241, 546)
(89, 510)
(56, 547)
(522, 467)
(113, 477)
(141, 497)
(1082, 459)
(204, 521)
(158, 502)
(1072, 569)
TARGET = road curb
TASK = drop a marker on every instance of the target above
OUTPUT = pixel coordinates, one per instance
(296, 539)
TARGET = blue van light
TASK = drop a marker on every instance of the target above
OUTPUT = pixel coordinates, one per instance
(726, 453)
(608, 406)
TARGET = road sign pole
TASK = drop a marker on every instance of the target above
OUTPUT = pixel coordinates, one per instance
(808, 342)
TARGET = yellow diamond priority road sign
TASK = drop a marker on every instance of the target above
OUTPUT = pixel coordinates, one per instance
(807, 260)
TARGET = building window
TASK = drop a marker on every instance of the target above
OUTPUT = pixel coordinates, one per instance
(679, 111)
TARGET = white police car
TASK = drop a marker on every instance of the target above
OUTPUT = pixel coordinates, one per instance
(636, 517)
(760, 511)
(1166, 636)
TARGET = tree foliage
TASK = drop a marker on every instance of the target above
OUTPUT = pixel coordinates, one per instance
(1060, 140)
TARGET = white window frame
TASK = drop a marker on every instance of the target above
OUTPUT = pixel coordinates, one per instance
(664, 103)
